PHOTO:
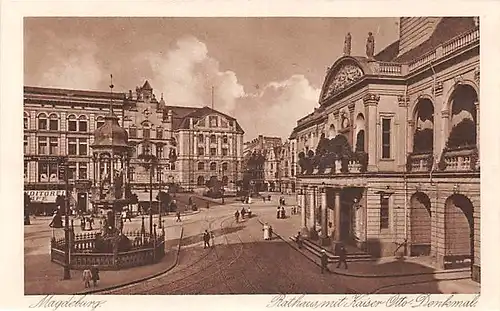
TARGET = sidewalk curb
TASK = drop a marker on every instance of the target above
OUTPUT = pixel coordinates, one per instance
(437, 272)
(112, 287)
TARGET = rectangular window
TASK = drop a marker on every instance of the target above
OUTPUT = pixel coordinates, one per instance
(386, 138)
(42, 145)
(159, 134)
(71, 170)
(224, 151)
(224, 139)
(132, 132)
(54, 125)
(54, 146)
(82, 171)
(213, 139)
(42, 124)
(201, 151)
(145, 133)
(26, 150)
(72, 125)
(25, 123)
(82, 126)
(200, 138)
(159, 152)
(72, 146)
(99, 123)
(25, 170)
(43, 171)
(82, 146)
(213, 151)
(213, 121)
(384, 212)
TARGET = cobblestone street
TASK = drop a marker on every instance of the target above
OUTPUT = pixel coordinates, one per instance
(240, 262)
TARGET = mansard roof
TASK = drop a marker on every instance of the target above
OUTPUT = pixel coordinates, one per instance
(181, 115)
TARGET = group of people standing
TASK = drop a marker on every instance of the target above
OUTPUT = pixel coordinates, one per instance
(242, 213)
(91, 274)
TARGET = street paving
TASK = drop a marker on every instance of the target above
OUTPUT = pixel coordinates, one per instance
(240, 261)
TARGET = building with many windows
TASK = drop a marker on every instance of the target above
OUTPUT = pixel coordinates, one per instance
(262, 159)
(190, 144)
(389, 161)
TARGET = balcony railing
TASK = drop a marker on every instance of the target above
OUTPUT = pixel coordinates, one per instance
(421, 162)
(327, 165)
(460, 160)
(389, 69)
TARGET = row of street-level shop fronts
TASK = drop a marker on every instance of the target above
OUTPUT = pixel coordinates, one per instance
(44, 201)
(389, 215)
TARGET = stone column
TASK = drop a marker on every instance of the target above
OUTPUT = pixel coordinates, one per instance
(324, 218)
(337, 215)
(477, 130)
(303, 219)
(352, 120)
(312, 211)
(371, 102)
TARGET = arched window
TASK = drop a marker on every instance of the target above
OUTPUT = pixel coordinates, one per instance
(213, 139)
(82, 124)
(26, 121)
(224, 166)
(200, 138)
(423, 136)
(72, 124)
(463, 118)
(146, 131)
(159, 133)
(224, 139)
(42, 121)
(53, 122)
(360, 133)
(201, 166)
(200, 181)
(99, 122)
(213, 166)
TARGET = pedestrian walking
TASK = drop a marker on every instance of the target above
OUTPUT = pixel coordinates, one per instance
(249, 212)
(342, 253)
(282, 213)
(265, 229)
(298, 239)
(243, 212)
(178, 214)
(270, 232)
(95, 275)
(87, 276)
(237, 216)
(206, 239)
(263, 199)
(324, 261)
(278, 213)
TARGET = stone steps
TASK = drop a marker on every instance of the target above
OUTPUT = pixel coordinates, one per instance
(315, 249)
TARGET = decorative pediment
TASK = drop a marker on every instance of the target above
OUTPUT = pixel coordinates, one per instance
(345, 76)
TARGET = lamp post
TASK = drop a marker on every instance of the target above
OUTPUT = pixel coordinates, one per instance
(150, 196)
(159, 168)
(67, 248)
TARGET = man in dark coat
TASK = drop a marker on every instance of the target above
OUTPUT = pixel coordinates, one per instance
(178, 214)
(342, 253)
(95, 275)
(299, 240)
(237, 216)
(324, 261)
(206, 239)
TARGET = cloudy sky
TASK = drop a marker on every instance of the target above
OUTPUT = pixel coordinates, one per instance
(266, 72)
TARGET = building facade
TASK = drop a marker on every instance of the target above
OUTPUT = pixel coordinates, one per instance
(262, 163)
(390, 159)
(287, 167)
(191, 144)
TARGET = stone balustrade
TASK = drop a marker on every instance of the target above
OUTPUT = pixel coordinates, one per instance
(459, 42)
(420, 162)
(460, 160)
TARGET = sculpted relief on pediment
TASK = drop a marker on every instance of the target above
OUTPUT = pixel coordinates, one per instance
(345, 76)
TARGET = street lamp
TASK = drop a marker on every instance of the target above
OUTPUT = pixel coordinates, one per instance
(63, 167)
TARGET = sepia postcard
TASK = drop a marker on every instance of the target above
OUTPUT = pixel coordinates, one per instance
(275, 160)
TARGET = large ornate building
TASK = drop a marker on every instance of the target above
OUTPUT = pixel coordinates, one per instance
(191, 144)
(390, 159)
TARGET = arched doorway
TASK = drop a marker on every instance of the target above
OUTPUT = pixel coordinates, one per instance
(463, 118)
(420, 224)
(423, 135)
(360, 133)
(459, 231)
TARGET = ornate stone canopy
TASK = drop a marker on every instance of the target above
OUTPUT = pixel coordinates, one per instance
(110, 134)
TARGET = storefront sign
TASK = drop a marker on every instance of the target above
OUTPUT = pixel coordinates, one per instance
(44, 196)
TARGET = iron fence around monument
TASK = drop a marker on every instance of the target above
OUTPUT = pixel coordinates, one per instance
(144, 249)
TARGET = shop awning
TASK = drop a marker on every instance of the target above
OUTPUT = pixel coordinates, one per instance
(44, 196)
